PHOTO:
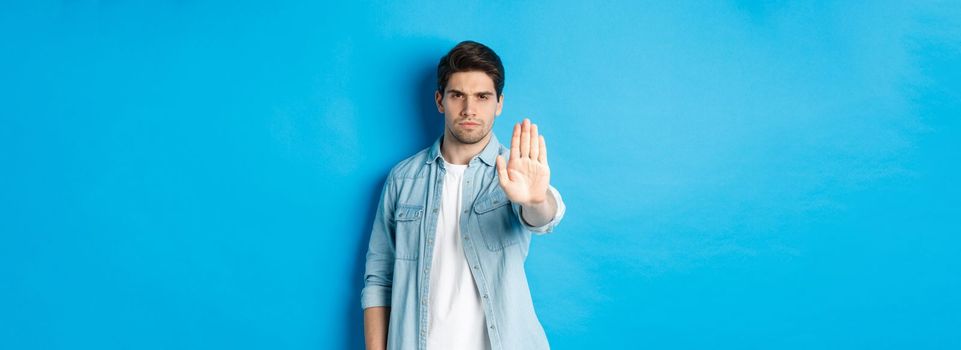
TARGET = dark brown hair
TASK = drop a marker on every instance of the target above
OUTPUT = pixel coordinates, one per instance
(471, 56)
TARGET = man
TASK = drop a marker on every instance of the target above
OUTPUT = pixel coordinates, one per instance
(445, 265)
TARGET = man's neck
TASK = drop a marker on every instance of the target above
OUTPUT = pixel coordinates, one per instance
(455, 152)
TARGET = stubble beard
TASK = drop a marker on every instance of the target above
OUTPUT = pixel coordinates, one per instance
(467, 137)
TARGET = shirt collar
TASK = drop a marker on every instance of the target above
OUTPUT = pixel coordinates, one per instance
(488, 155)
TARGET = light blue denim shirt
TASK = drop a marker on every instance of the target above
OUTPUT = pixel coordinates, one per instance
(496, 241)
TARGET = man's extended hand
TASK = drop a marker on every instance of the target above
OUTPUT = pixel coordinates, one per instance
(526, 176)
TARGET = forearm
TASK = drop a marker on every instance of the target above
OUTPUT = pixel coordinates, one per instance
(375, 327)
(540, 213)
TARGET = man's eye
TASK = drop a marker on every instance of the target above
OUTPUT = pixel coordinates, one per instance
(483, 97)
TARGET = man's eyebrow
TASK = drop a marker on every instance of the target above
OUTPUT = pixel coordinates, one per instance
(477, 93)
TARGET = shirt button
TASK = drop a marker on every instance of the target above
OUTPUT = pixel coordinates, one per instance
(492, 326)
(435, 210)
(475, 267)
(466, 238)
(465, 211)
(485, 296)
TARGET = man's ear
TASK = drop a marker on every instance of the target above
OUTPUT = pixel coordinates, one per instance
(439, 100)
(500, 105)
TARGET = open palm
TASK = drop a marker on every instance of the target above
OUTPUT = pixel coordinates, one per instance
(526, 175)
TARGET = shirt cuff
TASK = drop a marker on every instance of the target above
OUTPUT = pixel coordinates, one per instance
(374, 295)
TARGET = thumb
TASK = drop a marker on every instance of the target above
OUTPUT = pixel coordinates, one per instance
(502, 170)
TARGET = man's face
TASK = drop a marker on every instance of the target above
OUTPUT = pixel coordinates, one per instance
(469, 106)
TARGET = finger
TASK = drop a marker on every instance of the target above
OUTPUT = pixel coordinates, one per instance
(535, 142)
(516, 142)
(526, 138)
(502, 171)
(542, 157)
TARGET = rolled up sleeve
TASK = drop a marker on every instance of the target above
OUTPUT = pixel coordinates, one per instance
(379, 270)
(548, 227)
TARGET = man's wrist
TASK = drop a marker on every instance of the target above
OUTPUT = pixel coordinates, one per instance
(540, 204)
(541, 213)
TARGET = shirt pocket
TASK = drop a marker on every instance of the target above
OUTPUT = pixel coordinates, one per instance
(494, 218)
(408, 219)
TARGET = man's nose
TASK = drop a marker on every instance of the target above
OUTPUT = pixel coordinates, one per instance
(468, 107)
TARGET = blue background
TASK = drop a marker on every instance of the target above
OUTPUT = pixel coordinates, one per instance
(738, 174)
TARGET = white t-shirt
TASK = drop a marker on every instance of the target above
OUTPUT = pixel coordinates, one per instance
(456, 316)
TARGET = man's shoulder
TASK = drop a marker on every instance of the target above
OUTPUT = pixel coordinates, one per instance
(503, 150)
(411, 167)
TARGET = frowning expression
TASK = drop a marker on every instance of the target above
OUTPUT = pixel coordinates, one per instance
(469, 105)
